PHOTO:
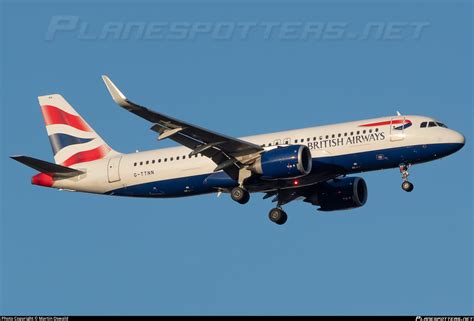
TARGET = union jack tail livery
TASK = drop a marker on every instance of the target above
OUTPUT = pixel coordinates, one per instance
(73, 141)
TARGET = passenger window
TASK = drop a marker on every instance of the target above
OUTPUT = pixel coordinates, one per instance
(338, 135)
(423, 124)
(134, 164)
(153, 161)
(296, 141)
(376, 129)
(141, 163)
(431, 124)
(184, 156)
(332, 136)
(302, 140)
(159, 160)
(364, 131)
(171, 159)
(166, 159)
(327, 136)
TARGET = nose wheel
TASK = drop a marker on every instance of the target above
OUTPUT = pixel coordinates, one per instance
(406, 185)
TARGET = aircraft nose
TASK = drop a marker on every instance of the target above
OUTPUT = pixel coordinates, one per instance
(456, 141)
(458, 138)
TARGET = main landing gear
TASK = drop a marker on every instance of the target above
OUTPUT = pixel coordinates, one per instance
(240, 195)
(277, 215)
(406, 185)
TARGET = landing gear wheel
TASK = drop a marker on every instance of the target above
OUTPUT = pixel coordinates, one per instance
(407, 186)
(277, 216)
(240, 195)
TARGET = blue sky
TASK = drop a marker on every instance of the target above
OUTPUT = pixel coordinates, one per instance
(72, 253)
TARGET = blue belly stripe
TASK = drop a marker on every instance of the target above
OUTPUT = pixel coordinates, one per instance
(349, 164)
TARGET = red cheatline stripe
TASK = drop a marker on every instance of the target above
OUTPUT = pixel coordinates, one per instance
(87, 156)
(388, 122)
(54, 115)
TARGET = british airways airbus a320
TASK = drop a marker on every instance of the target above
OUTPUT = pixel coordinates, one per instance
(311, 164)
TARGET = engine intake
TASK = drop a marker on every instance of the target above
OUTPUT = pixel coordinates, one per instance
(284, 162)
(342, 194)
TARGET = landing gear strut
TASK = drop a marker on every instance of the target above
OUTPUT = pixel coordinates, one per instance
(277, 215)
(406, 185)
(240, 195)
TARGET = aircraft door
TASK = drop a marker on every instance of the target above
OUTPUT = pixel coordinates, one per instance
(113, 169)
(397, 128)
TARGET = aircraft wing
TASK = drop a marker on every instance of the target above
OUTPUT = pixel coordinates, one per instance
(227, 152)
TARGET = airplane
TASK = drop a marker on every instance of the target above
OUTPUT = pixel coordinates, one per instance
(312, 164)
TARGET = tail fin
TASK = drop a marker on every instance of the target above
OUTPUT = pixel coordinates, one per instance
(73, 141)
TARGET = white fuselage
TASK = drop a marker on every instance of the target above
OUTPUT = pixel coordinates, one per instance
(354, 146)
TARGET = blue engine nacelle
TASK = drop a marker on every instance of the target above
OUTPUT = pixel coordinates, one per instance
(284, 162)
(341, 194)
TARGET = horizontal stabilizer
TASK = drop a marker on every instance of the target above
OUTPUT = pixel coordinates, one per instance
(47, 167)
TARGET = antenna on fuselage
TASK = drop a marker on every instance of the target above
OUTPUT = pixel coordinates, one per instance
(398, 113)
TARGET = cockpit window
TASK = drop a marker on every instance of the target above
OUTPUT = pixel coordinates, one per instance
(432, 124)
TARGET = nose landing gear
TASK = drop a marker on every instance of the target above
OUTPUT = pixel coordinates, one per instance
(406, 185)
